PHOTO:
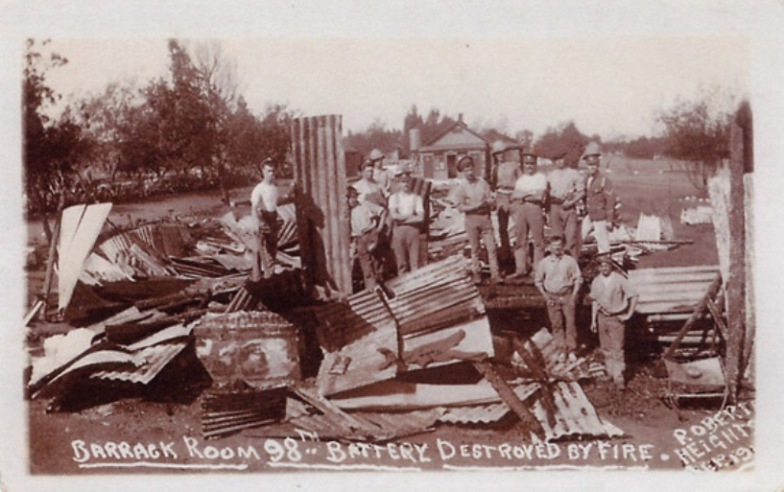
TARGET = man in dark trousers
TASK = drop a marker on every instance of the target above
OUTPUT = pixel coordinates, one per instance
(503, 178)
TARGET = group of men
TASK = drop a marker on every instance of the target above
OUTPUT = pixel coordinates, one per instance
(530, 198)
(560, 198)
(385, 214)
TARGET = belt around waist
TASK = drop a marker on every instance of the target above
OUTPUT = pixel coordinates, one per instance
(505, 191)
(563, 292)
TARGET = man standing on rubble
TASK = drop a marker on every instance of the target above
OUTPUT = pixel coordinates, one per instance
(599, 200)
(367, 219)
(566, 191)
(473, 197)
(407, 211)
(264, 201)
(528, 200)
(613, 303)
(503, 179)
(558, 278)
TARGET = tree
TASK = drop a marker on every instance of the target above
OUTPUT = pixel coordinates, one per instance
(698, 132)
(51, 148)
(563, 138)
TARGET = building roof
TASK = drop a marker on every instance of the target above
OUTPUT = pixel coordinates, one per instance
(457, 137)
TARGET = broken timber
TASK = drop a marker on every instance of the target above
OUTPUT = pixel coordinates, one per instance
(510, 398)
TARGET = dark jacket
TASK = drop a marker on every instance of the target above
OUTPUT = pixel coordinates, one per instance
(599, 198)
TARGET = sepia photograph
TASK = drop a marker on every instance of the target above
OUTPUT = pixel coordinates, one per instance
(363, 252)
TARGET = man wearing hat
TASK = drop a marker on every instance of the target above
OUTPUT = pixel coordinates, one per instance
(380, 175)
(503, 178)
(473, 197)
(264, 201)
(369, 190)
(558, 279)
(599, 199)
(613, 303)
(528, 199)
(407, 211)
(367, 219)
(566, 191)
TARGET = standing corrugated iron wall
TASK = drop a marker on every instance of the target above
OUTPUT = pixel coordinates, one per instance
(322, 208)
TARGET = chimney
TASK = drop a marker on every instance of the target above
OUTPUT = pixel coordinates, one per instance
(459, 117)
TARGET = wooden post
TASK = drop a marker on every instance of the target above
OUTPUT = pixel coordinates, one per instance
(735, 284)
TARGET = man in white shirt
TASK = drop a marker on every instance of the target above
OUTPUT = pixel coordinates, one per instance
(380, 175)
(369, 190)
(558, 279)
(567, 189)
(264, 201)
(614, 302)
(528, 199)
(407, 211)
(366, 221)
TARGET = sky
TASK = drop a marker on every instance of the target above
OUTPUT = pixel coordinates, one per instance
(607, 86)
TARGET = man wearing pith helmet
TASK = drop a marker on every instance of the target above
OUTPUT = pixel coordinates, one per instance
(528, 199)
(599, 199)
(502, 179)
(472, 196)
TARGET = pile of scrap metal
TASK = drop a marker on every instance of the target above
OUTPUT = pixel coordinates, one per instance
(419, 351)
(395, 360)
(150, 263)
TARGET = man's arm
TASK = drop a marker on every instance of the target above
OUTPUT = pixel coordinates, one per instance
(539, 275)
(578, 280)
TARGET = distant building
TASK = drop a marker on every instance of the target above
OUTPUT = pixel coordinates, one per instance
(439, 157)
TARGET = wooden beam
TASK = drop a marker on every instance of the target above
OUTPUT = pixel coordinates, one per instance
(510, 398)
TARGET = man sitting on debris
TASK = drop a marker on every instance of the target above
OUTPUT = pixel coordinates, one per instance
(558, 278)
(366, 221)
(528, 207)
(566, 191)
(369, 190)
(264, 201)
(613, 303)
(474, 198)
(407, 211)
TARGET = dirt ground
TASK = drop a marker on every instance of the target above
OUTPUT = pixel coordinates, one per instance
(166, 434)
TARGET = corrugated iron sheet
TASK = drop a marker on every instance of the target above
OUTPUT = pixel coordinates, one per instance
(436, 310)
(485, 414)
(671, 290)
(322, 208)
(149, 363)
(575, 415)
